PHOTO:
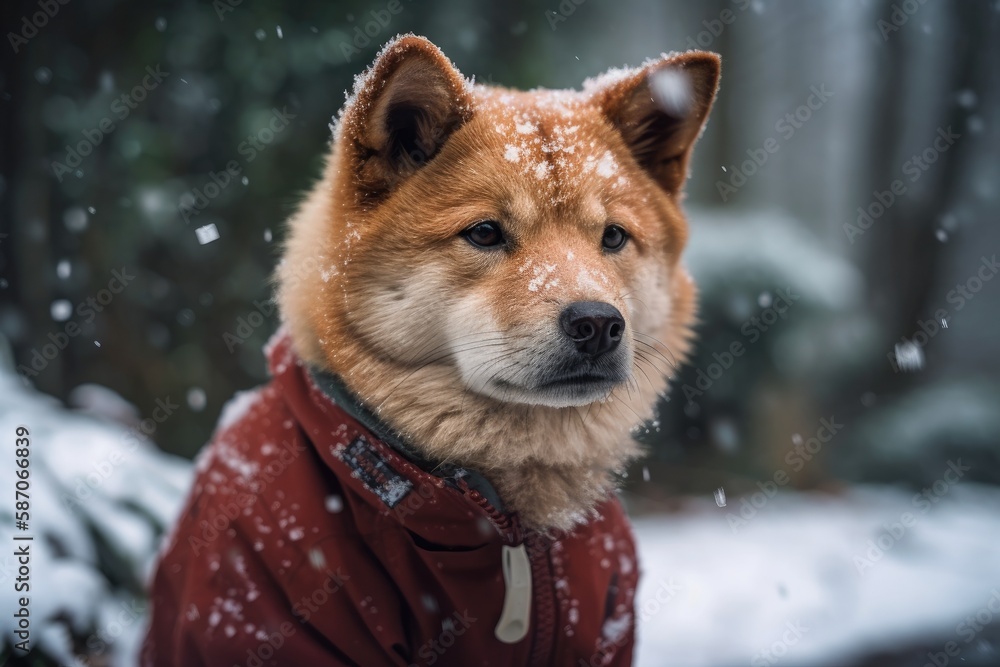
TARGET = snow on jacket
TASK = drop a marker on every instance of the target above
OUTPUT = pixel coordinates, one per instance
(314, 536)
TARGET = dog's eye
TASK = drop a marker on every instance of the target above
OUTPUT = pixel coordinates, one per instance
(485, 234)
(614, 238)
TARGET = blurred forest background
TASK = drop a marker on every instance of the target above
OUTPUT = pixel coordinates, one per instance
(843, 205)
(894, 79)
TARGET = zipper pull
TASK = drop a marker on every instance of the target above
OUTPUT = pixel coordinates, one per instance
(516, 615)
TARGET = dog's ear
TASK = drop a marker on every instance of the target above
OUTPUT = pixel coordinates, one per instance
(660, 110)
(404, 108)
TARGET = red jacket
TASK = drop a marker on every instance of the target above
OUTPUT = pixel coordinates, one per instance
(314, 537)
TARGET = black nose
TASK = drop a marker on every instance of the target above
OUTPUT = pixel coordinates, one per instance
(594, 326)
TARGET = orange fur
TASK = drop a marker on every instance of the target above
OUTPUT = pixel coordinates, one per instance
(378, 286)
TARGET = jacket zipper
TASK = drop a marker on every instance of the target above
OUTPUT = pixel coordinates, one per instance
(544, 599)
(527, 580)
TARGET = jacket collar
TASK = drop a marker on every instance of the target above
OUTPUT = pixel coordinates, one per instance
(333, 387)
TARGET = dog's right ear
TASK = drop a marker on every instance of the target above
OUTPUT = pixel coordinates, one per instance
(404, 108)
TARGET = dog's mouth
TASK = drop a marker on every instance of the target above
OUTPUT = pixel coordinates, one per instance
(552, 376)
(582, 380)
(562, 389)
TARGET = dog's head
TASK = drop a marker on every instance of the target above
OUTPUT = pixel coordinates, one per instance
(526, 243)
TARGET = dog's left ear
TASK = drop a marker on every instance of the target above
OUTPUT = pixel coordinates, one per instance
(660, 111)
(404, 108)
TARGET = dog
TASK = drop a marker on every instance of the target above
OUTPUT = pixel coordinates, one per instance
(481, 298)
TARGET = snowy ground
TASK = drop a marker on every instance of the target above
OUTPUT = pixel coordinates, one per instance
(714, 597)
(100, 496)
(797, 584)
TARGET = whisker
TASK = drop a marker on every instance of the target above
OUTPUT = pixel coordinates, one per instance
(494, 339)
(640, 359)
(422, 366)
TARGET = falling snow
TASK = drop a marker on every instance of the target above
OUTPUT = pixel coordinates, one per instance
(334, 504)
(615, 628)
(909, 356)
(61, 310)
(196, 399)
(672, 91)
(207, 234)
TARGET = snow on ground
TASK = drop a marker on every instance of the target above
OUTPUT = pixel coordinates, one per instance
(100, 495)
(795, 581)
